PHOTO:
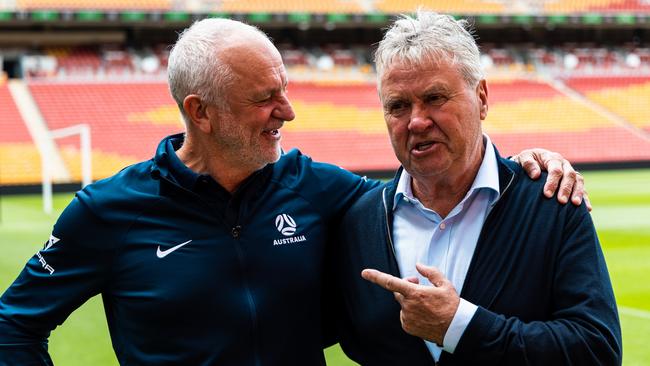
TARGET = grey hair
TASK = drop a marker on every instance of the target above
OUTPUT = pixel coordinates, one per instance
(430, 36)
(195, 66)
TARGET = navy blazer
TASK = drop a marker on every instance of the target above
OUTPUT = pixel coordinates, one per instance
(538, 276)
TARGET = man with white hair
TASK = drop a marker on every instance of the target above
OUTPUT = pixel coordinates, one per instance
(459, 260)
(212, 252)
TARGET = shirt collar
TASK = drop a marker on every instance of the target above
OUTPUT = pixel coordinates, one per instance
(487, 177)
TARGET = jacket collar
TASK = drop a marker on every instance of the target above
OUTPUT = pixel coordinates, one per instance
(161, 165)
(168, 166)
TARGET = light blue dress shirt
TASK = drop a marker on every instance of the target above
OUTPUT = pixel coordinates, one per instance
(422, 236)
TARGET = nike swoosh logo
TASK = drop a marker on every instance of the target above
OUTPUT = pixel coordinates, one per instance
(164, 253)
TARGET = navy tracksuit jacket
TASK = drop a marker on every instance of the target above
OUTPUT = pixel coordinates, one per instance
(189, 275)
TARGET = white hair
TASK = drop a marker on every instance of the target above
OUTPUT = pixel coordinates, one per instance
(430, 36)
(195, 65)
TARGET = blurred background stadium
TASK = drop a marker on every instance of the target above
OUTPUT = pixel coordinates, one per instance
(571, 76)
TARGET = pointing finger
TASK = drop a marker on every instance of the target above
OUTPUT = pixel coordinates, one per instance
(389, 282)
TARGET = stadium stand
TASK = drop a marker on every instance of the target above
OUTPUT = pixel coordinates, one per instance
(444, 6)
(627, 97)
(533, 113)
(343, 123)
(106, 62)
(581, 90)
(340, 123)
(546, 7)
(126, 119)
(285, 6)
(95, 5)
(611, 6)
(19, 158)
(111, 62)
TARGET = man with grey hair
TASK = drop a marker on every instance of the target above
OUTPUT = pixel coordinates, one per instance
(459, 260)
(212, 252)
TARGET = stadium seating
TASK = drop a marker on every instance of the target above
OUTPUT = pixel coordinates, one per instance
(316, 63)
(627, 97)
(443, 6)
(289, 6)
(344, 124)
(546, 7)
(126, 119)
(94, 5)
(19, 158)
(527, 113)
(602, 6)
(339, 123)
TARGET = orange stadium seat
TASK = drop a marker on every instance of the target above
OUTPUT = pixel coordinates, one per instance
(19, 158)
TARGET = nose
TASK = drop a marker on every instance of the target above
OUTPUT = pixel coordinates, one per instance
(284, 110)
(420, 120)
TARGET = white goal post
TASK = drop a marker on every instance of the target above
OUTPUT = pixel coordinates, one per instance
(83, 131)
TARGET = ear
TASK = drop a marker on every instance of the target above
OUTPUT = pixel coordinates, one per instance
(197, 112)
(482, 94)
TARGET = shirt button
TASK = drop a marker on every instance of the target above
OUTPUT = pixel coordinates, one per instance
(442, 226)
(406, 199)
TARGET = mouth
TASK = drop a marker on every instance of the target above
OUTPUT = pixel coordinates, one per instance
(273, 133)
(423, 146)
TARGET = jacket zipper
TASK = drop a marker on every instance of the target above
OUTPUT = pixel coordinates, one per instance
(235, 233)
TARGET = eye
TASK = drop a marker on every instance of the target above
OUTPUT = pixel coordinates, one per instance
(264, 99)
(394, 107)
(435, 99)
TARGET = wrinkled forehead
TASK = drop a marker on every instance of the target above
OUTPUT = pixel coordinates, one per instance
(404, 71)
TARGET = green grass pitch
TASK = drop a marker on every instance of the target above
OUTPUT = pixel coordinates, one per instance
(621, 212)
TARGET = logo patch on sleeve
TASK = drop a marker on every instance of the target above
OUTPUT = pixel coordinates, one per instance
(53, 240)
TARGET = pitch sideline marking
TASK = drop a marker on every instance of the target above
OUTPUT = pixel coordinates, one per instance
(634, 312)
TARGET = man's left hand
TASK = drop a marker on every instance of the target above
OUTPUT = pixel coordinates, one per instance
(427, 311)
(560, 174)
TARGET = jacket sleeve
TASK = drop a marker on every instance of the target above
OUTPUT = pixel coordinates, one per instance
(336, 189)
(583, 327)
(59, 278)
